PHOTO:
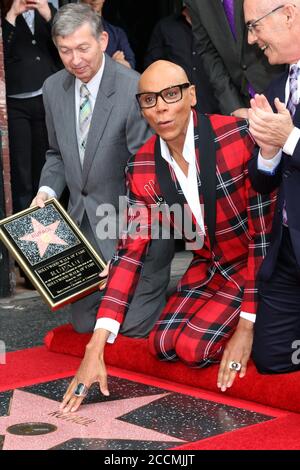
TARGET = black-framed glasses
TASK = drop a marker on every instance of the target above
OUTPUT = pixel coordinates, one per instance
(170, 95)
(251, 25)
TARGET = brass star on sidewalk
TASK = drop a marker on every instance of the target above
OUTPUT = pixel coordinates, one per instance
(99, 420)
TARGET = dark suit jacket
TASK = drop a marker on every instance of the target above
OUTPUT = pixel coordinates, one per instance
(172, 39)
(287, 179)
(28, 59)
(231, 65)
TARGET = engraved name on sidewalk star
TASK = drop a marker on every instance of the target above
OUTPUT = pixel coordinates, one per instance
(97, 420)
(43, 236)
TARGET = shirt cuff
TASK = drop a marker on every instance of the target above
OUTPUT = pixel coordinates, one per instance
(268, 166)
(110, 325)
(248, 316)
(292, 141)
(48, 190)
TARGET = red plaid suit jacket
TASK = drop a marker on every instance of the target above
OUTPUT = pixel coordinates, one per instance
(243, 222)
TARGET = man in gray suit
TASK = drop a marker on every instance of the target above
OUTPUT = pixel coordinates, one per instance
(234, 68)
(94, 125)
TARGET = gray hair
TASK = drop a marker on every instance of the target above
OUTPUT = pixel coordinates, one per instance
(72, 16)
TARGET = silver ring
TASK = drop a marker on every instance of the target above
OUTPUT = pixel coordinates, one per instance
(81, 390)
(233, 365)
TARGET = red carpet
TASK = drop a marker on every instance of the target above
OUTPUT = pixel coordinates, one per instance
(36, 365)
(31, 366)
(278, 434)
(278, 391)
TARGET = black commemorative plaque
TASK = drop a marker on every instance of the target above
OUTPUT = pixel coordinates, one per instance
(53, 253)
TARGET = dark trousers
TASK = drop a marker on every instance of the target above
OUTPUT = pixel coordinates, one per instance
(28, 143)
(276, 346)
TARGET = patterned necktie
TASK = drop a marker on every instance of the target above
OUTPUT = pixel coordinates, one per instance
(29, 18)
(85, 114)
(291, 106)
(293, 97)
(229, 12)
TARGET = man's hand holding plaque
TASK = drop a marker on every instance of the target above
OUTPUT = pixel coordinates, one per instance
(40, 199)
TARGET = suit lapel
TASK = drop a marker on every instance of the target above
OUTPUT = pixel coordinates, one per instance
(172, 196)
(166, 184)
(296, 119)
(24, 26)
(207, 164)
(37, 23)
(102, 110)
(279, 89)
(68, 107)
(239, 26)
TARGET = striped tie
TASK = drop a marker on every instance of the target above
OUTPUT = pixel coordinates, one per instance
(85, 114)
(293, 97)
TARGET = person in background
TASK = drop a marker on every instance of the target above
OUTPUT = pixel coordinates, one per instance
(235, 69)
(118, 46)
(29, 58)
(172, 39)
(275, 124)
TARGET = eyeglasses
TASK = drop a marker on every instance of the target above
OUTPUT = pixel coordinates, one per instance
(251, 25)
(170, 95)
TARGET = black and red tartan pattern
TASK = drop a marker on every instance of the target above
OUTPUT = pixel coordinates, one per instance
(220, 282)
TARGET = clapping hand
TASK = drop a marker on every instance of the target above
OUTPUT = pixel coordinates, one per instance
(269, 129)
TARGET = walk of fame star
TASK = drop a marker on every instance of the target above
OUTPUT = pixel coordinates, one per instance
(43, 236)
(98, 420)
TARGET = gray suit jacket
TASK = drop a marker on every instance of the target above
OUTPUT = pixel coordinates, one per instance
(230, 64)
(117, 131)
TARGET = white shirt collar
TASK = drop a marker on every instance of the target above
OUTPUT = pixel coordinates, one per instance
(94, 84)
(188, 147)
